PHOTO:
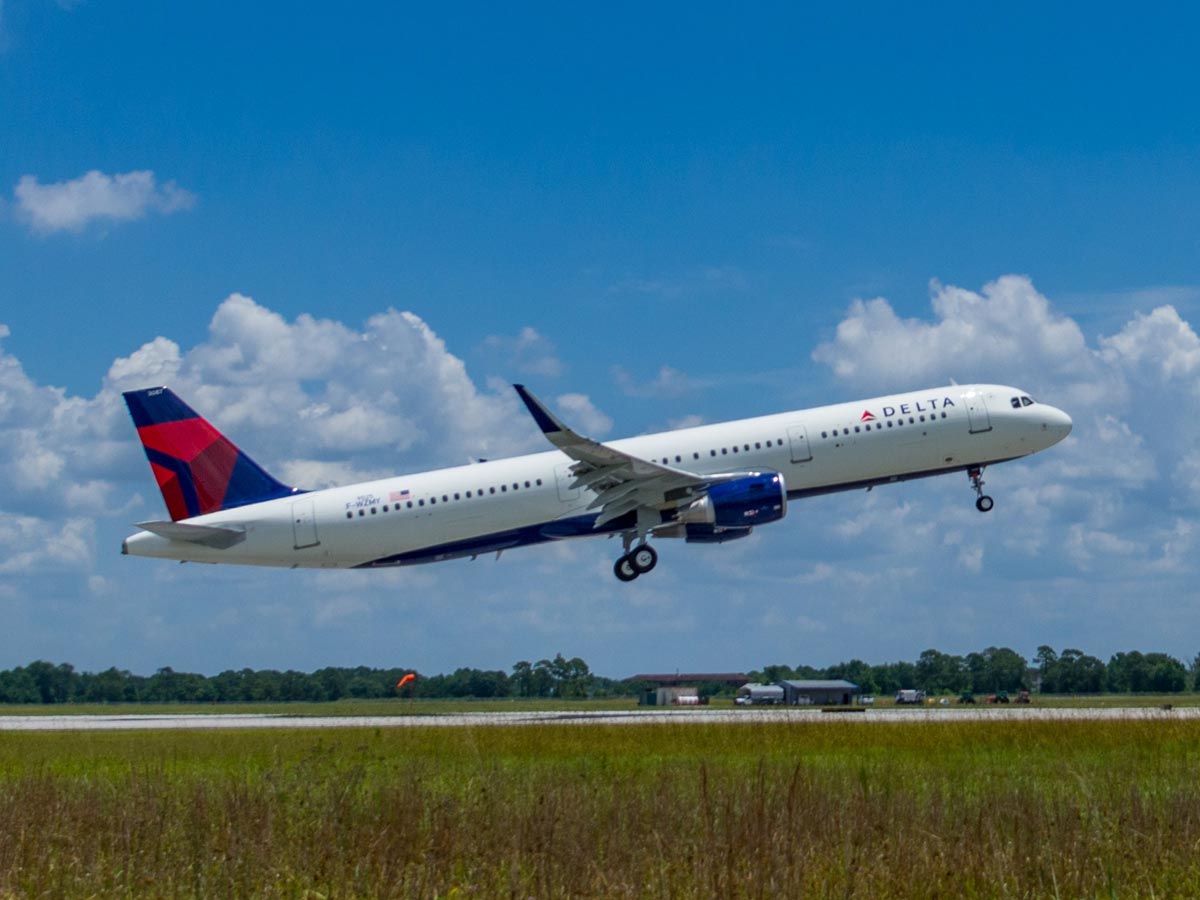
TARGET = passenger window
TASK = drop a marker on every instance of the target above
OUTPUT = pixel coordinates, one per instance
(409, 504)
(539, 482)
(735, 448)
(433, 501)
(420, 503)
(695, 456)
(678, 459)
(758, 445)
(504, 488)
(491, 490)
(374, 511)
(456, 497)
(349, 515)
(361, 513)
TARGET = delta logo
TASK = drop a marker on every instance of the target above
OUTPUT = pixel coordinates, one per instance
(867, 416)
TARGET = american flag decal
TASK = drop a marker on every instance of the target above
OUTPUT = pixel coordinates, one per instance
(399, 495)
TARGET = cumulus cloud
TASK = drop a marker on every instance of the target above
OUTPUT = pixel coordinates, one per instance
(582, 414)
(530, 352)
(669, 382)
(1134, 396)
(1008, 326)
(72, 205)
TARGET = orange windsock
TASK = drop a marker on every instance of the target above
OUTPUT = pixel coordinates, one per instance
(405, 680)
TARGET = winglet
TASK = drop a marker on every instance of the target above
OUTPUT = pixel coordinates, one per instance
(545, 419)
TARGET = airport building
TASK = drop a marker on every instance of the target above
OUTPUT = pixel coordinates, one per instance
(832, 692)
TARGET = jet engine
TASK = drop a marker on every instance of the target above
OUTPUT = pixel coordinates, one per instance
(740, 503)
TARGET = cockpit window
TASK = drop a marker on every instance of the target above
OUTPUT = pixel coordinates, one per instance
(1016, 402)
(1027, 401)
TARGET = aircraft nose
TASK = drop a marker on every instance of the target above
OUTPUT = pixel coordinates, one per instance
(1057, 423)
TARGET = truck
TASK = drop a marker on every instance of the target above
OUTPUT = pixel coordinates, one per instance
(759, 695)
(906, 696)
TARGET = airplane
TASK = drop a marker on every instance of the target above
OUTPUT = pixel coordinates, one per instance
(708, 484)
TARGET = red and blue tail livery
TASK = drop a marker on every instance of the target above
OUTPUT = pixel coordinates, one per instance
(197, 468)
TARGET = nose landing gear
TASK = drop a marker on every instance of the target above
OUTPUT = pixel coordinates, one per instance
(983, 503)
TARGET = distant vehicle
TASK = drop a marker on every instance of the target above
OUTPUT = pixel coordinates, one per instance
(998, 697)
(867, 700)
(706, 485)
(759, 695)
(966, 697)
(909, 696)
(1024, 697)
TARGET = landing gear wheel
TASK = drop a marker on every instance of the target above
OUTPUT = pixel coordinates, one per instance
(643, 559)
(624, 570)
(984, 503)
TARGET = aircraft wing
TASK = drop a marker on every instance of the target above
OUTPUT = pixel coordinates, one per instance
(623, 482)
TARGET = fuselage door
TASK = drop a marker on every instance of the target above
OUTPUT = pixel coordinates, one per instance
(304, 524)
(798, 440)
(977, 413)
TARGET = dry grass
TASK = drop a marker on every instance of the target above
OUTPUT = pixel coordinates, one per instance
(985, 809)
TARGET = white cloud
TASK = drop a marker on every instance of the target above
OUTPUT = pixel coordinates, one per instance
(581, 414)
(71, 205)
(1008, 327)
(530, 352)
(669, 382)
(1095, 500)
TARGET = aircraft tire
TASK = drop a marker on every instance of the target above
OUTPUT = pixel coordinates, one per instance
(624, 570)
(643, 558)
(985, 503)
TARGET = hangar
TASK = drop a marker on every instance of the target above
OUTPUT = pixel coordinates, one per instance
(831, 692)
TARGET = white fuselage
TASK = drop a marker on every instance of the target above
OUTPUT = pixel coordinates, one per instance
(495, 505)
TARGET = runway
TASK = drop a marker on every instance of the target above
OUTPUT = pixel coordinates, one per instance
(583, 717)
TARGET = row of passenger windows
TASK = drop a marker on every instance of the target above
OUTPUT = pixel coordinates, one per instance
(725, 451)
(446, 498)
(879, 426)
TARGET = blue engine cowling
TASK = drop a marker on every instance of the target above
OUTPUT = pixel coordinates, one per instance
(753, 500)
(739, 503)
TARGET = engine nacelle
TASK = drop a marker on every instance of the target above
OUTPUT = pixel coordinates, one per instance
(712, 534)
(740, 503)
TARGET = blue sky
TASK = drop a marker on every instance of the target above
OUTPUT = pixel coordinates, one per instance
(305, 218)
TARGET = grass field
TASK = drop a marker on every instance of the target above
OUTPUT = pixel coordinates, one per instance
(944, 809)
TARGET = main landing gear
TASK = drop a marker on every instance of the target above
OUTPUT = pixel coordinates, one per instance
(638, 561)
(984, 503)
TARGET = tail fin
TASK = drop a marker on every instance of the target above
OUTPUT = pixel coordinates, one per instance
(198, 469)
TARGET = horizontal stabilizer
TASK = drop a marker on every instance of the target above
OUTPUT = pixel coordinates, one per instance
(208, 535)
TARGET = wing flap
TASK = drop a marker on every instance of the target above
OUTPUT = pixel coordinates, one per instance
(622, 482)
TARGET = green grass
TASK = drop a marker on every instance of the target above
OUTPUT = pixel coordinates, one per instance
(942, 809)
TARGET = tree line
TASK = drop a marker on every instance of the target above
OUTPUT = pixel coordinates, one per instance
(46, 682)
(1003, 669)
(993, 669)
